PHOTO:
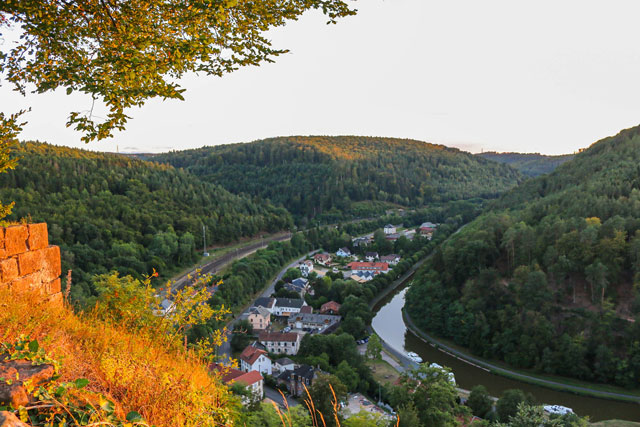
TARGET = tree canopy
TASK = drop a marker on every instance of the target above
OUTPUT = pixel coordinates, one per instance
(123, 53)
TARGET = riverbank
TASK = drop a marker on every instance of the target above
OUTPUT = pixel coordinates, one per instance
(583, 389)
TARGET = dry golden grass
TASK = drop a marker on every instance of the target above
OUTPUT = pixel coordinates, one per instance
(139, 371)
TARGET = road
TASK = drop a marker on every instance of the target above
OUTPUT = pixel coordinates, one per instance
(215, 265)
(225, 348)
(277, 397)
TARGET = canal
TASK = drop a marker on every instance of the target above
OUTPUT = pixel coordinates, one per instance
(389, 325)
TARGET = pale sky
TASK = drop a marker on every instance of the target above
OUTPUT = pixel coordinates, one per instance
(536, 76)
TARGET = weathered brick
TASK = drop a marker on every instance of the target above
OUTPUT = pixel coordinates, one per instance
(55, 299)
(30, 262)
(26, 283)
(8, 269)
(38, 236)
(54, 287)
(15, 239)
(51, 263)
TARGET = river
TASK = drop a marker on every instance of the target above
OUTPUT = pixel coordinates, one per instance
(389, 325)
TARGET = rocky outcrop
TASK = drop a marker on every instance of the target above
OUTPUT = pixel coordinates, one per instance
(7, 419)
(14, 374)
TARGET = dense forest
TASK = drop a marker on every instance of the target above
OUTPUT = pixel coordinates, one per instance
(549, 277)
(109, 212)
(359, 176)
(529, 164)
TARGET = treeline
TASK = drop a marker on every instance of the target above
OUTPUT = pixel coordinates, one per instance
(529, 164)
(549, 279)
(109, 212)
(332, 176)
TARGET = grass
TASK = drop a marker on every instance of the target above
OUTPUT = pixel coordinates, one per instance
(138, 370)
(383, 372)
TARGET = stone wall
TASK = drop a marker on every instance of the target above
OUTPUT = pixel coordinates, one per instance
(27, 261)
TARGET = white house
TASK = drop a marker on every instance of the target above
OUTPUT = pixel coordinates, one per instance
(280, 342)
(306, 267)
(255, 359)
(389, 229)
(284, 364)
(343, 252)
(391, 259)
(371, 256)
(252, 380)
(287, 306)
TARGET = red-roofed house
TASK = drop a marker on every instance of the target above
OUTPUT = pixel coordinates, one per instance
(306, 309)
(322, 259)
(330, 307)
(253, 381)
(375, 267)
(255, 359)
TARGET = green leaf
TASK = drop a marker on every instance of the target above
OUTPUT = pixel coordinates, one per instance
(81, 382)
(34, 346)
(133, 417)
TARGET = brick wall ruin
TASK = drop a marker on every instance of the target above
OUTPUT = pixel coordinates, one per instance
(28, 262)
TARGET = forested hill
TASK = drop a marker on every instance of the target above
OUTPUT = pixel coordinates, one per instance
(317, 175)
(112, 212)
(549, 278)
(529, 164)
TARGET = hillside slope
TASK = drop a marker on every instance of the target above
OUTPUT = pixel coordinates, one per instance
(529, 164)
(545, 278)
(317, 175)
(112, 212)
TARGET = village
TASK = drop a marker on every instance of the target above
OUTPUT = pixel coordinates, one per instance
(277, 324)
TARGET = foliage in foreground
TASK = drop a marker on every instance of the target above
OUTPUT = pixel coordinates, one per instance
(139, 364)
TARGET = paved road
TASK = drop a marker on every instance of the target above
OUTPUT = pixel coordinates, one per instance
(277, 397)
(225, 348)
(213, 266)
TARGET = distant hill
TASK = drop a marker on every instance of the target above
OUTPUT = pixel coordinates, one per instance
(108, 211)
(529, 164)
(320, 175)
(548, 278)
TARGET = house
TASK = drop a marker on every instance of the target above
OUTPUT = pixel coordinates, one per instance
(318, 322)
(306, 309)
(343, 252)
(299, 285)
(322, 259)
(280, 342)
(371, 256)
(259, 317)
(389, 229)
(306, 267)
(427, 229)
(287, 306)
(330, 307)
(284, 364)
(298, 379)
(391, 259)
(368, 267)
(253, 358)
(393, 237)
(361, 241)
(252, 380)
(265, 302)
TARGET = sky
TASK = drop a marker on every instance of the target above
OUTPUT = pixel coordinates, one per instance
(492, 75)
